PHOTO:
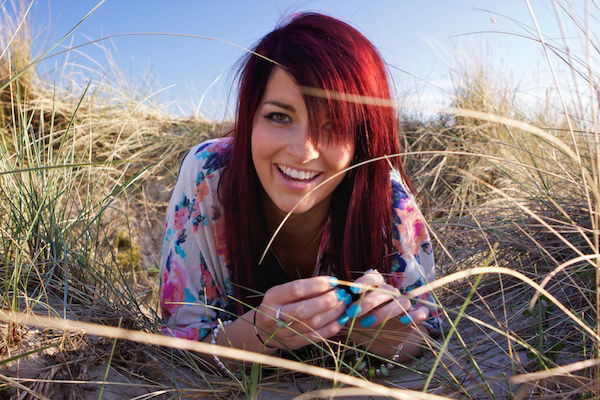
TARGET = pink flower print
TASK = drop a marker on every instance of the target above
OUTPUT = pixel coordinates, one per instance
(396, 279)
(180, 218)
(419, 232)
(424, 296)
(172, 290)
(403, 229)
(404, 203)
(211, 289)
(187, 333)
(182, 332)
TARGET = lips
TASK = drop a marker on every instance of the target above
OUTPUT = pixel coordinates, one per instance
(298, 175)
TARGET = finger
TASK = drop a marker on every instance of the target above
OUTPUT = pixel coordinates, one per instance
(372, 299)
(306, 309)
(369, 280)
(294, 291)
(315, 336)
(398, 307)
(420, 314)
(315, 312)
(318, 321)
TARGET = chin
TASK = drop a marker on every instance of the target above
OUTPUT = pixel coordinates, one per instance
(288, 206)
(299, 210)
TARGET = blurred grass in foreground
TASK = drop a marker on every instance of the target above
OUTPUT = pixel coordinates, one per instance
(86, 170)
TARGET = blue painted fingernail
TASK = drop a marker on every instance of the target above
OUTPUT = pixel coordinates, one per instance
(353, 310)
(343, 319)
(354, 289)
(368, 321)
(347, 299)
(405, 319)
(333, 281)
(341, 295)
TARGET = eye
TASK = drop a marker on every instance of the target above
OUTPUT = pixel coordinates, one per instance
(278, 117)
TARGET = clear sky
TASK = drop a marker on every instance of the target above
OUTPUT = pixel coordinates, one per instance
(418, 39)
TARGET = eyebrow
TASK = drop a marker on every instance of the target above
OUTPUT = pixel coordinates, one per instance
(287, 107)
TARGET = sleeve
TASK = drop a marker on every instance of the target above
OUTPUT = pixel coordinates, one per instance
(190, 299)
(412, 264)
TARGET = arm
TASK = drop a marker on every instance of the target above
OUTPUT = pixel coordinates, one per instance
(412, 266)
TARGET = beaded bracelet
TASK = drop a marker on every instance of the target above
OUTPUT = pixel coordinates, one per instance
(383, 369)
(256, 332)
(213, 340)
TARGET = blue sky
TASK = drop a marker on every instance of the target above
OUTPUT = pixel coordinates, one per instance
(423, 42)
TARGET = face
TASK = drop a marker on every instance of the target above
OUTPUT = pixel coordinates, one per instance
(289, 165)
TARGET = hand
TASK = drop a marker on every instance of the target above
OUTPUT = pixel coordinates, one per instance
(382, 304)
(310, 305)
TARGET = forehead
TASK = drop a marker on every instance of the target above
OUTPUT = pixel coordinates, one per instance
(282, 87)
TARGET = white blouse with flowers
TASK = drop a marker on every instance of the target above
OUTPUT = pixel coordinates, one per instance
(195, 278)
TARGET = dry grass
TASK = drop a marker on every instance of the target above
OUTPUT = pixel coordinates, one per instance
(85, 174)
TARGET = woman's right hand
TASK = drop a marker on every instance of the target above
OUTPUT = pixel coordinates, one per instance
(311, 305)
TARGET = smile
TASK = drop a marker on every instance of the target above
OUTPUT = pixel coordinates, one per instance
(303, 176)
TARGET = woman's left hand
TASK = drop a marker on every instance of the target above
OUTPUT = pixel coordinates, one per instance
(384, 305)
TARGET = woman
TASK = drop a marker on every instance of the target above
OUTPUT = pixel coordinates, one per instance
(301, 120)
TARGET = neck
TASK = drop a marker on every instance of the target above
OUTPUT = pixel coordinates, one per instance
(300, 232)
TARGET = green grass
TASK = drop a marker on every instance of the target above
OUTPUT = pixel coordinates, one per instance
(81, 211)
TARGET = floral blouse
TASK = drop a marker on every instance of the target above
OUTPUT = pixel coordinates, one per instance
(195, 278)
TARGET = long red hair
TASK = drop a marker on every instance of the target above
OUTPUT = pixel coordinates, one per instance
(324, 53)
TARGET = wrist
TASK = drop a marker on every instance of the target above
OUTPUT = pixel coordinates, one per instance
(264, 343)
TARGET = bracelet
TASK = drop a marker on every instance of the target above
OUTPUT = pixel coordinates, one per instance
(213, 340)
(383, 369)
(256, 332)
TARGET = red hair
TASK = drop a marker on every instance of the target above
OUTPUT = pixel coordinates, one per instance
(324, 53)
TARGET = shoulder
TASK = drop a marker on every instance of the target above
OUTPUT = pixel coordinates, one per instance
(401, 194)
(409, 226)
(209, 156)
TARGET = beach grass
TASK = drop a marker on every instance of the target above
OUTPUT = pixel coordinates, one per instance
(511, 195)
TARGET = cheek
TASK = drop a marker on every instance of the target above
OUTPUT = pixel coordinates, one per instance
(343, 157)
(258, 147)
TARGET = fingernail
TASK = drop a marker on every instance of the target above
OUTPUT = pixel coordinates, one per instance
(368, 321)
(343, 319)
(333, 281)
(353, 310)
(405, 319)
(355, 289)
(347, 299)
(341, 295)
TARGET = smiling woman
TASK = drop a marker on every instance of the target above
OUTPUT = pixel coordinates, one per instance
(288, 153)
(288, 164)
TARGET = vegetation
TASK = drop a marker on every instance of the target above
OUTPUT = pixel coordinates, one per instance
(512, 199)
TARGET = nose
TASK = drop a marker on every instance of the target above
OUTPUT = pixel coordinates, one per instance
(302, 148)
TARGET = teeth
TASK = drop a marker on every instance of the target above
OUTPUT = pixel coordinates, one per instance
(302, 175)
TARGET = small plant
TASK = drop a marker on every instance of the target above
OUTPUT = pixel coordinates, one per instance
(128, 254)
